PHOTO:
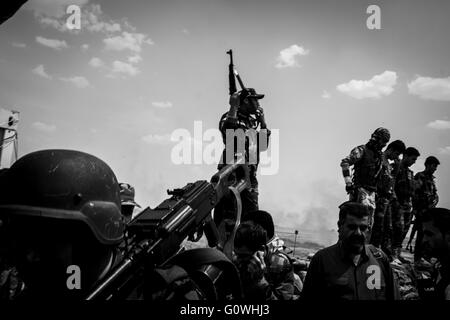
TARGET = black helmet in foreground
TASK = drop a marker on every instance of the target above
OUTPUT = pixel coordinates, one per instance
(64, 185)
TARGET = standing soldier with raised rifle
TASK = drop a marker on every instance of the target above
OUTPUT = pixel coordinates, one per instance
(425, 197)
(244, 131)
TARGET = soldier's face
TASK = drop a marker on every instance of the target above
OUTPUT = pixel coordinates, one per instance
(434, 243)
(395, 155)
(431, 168)
(243, 252)
(379, 144)
(127, 212)
(250, 105)
(353, 232)
(410, 160)
(43, 266)
(41, 255)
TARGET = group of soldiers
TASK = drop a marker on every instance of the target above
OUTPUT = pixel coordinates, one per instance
(61, 207)
(384, 197)
(388, 187)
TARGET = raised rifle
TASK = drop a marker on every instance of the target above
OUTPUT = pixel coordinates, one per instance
(411, 236)
(233, 75)
(156, 235)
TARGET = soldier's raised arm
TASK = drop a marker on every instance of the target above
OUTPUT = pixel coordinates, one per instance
(264, 132)
(355, 155)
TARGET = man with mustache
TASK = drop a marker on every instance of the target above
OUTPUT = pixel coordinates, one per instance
(351, 269)
(436, 243)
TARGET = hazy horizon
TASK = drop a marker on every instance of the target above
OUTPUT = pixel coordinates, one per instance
(138, 70)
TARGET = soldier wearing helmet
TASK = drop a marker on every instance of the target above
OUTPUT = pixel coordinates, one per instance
(128, 205)
(243, 127)
(367, 165)
(60, 213)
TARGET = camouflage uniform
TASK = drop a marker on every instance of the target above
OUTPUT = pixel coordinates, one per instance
(11, 285)
(367, 165)
(225, 208)
(382, 227)
(402, 205)
(425, 197)
(280, 273)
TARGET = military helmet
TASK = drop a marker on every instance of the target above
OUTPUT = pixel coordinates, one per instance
(381, 134)
(65, 185)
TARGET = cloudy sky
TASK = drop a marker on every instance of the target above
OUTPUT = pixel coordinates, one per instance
(138, 70)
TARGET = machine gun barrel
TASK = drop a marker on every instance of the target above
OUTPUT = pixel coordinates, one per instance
(158, 233)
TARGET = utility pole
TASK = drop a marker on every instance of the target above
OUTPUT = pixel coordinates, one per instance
(295, 241)
(8, 137)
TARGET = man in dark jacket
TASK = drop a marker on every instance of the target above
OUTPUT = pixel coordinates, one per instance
(350, 269)
(436, 243)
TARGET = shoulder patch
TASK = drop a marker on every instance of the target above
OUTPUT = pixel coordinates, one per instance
(376, 252)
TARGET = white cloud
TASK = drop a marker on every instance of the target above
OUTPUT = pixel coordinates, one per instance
(80, 82)
(185, 31)
(52, 43)
(162, 104)
(58, 24)
(124, 68)
(134, 59)
(96, 62)
(430, 88)
(53, 14)
(19, 45)
(380, 85)
(84, 47)
(439, 125)
(287, 57)
(445, 150)
(40, 71)
(52, 8)
(157, 139)
(326, 95)
(48, 128)
(127, 41)
(94, 20)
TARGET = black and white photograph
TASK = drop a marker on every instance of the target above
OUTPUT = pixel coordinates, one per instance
(232, 152)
